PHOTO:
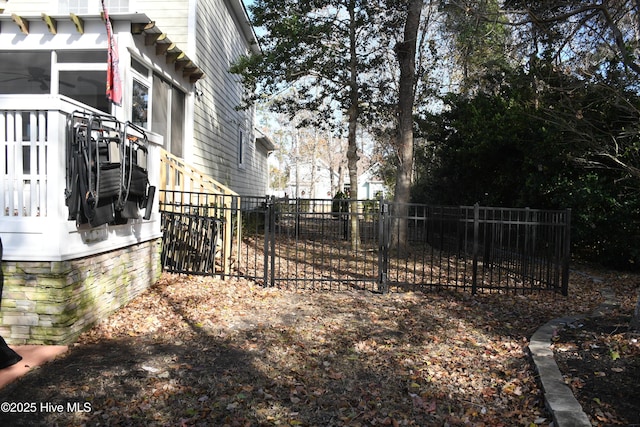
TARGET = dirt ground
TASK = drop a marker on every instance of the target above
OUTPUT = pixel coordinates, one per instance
(200, 351)
(600, 360)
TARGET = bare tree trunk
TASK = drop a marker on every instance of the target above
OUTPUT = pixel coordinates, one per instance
(352, 151)
(406, 54)
(635, 319)
(296, 157)
(314, 158)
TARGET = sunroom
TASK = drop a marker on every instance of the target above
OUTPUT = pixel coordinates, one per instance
(70, 257)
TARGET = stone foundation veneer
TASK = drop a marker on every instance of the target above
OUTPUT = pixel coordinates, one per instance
(53, 302)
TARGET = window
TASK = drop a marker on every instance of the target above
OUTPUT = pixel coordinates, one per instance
(140, 68)
(167, 114)
(87, 87)
(82, 56)
(241, 149)
(74, 6)
(94, 7)
(177, 122)
(140, 104)
(160, 115)
(83, 75)
(141, 97)
(117, 6)
(25, 72)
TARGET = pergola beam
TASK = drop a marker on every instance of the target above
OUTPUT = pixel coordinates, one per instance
(52, 24)
(22, 23)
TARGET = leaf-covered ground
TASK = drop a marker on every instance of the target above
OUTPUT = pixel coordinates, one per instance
(200, 351)
(600, 360)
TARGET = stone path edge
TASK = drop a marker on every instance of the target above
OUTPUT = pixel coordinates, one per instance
(559, 399)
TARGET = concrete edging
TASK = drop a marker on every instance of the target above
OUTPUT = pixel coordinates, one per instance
(565, 409)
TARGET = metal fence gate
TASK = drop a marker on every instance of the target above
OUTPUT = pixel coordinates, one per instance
(324, 244)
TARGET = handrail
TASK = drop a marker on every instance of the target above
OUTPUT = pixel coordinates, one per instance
(187, 178)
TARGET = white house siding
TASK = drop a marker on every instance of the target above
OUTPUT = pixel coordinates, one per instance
(59, 7)
(318, 188)
(217, 39)
(172, 16)
(26, 6)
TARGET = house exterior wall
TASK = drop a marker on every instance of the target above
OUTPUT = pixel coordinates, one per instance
(304, 184)
(370, 186)
(27, 6)
(219, 128)
(58, 7)
(62, 277)
(172, 16)
(213, 33)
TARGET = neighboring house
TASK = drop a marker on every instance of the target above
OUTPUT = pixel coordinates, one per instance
(263, 149)
(302, 182)
(62, 272)
(370, 186)
(311, 180)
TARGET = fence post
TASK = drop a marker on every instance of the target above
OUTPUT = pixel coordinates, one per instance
(383, 254)
(297, 214)
(267, 237)
(566, 256)
(476, 247)
(230, 206)
(272, 239)
(528, 226)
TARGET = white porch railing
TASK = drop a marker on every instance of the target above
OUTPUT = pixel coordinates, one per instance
(33, 214)
(26, 141)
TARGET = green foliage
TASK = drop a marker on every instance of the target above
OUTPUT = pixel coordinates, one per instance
(479, 41)
(253, 221)
(307, 61)
(339, 204)
(370, 209)
(484, 149)
(554, 149)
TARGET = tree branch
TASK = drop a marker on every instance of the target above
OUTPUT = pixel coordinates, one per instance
(619, 38)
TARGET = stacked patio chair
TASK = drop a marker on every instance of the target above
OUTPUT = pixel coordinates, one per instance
(107, 177)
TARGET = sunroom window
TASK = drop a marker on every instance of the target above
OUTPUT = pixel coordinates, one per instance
(83, 75)
(87, 87)
(25, 72)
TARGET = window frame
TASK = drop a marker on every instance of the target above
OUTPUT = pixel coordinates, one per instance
(146, 81)
(241, 149)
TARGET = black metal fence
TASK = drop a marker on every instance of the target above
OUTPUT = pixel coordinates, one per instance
(480, 248)
(326, 244)
(192, 230)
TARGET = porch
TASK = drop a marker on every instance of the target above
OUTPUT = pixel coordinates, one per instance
(35, 225)
(61, 274)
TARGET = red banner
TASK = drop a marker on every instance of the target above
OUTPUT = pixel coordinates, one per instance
(114, 82)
